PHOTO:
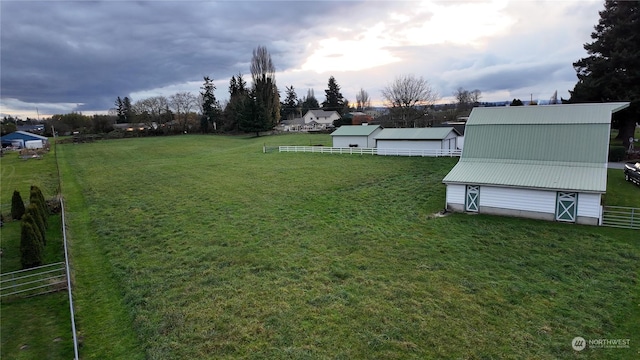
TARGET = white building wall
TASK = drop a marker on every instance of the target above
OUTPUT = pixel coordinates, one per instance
(455, 194)
(589, 205)
(410, 145)
(460, 142)
(345, 141)
(518, 199)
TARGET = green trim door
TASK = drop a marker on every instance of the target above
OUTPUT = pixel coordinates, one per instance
(566, 206)
(472, 198)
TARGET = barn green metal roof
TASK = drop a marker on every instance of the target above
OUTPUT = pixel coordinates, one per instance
(563, 147)
(593, 113)
(355, 130)
(537, 175)
(436, 133)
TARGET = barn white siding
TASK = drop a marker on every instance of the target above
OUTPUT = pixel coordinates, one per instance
(518, 199)
(589, 205)
(455, 194)
(346, 141)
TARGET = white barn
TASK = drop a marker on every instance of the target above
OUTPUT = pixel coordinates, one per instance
(356, 136)
(430, 140)
(543, 162)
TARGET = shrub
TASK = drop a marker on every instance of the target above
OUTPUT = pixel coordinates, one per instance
(31, 248)
(17, 206)
(37, 198)
(616, 153)
(34, 215)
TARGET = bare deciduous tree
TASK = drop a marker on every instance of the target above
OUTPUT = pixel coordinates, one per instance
(363, 101)
(153, 107)
(182, 104)
(408, 97)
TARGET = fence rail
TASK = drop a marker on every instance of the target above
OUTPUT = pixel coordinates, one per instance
(370, 151)
(621, 217)
(34, 281)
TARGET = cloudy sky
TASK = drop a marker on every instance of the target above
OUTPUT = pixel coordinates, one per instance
(63, 56)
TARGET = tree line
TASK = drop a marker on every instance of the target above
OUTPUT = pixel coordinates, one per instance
(610, 72)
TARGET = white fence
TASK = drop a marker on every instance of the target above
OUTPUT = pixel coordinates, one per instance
(620, 216)
(369, 151)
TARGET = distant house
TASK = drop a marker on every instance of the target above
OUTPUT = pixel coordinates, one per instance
(389, 141)
(320, 118)
(355, 136)
(24, 140)
(543, 162)
(292, 125)
(357, 118)
(135, 126)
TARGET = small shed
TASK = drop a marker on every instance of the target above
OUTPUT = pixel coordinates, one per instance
(543, 162)
(429, 140)
(356, 136)
(21, 139)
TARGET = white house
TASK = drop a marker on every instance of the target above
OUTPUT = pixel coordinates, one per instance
(355, 136)
(320, 118)
(425, 141)
(544, 162)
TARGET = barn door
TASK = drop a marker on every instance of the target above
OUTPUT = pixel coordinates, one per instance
(566, 205)
(472, 198)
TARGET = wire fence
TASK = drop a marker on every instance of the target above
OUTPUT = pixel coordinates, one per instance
(66, 257)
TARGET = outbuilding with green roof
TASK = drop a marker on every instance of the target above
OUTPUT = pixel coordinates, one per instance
(356, 136)
(544, 162)
(431, 141)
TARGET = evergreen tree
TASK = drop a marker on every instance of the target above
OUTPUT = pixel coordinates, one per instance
(34, 215)
(31, 248)
(36, 197)
(237, 99)
(210, 106)
(289, 108)
(334, 100)
(309, 102)
(17, 206)
(611, 72)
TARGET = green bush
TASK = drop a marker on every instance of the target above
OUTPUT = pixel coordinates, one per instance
(17, 206)
(31, 247)
(36, 197)
(34, 215)
(616, 153)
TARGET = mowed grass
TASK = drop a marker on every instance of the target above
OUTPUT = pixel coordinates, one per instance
(208, 248)
(38, 327)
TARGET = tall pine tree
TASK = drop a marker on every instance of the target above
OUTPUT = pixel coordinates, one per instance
(210, 106)
(611, 72)
(334, 100)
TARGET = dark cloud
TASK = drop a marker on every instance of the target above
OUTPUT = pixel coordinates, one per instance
(91, 52)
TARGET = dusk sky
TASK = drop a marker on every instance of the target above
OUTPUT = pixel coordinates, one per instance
(64, 56)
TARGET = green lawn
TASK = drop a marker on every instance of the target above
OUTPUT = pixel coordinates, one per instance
(38, 327)
(204, 247)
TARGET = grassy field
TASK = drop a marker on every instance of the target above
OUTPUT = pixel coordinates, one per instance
(204, 247)
(39, 327)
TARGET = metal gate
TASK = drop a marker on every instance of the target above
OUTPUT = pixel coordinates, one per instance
(34, 281)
